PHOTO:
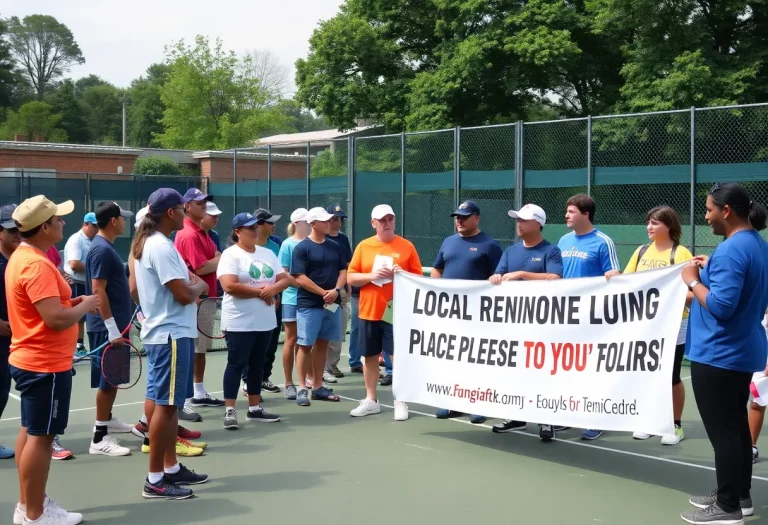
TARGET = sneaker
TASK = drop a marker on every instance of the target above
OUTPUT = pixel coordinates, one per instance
(108, 446)
(329, 378)
(401, 411)
(115, 426)
(755, 454)
(290, 392)
(713, 515)
(6, 453)
(334, 370)
(546, 432)
(20, 511)
(186, 477)
(366, 408)
(302, 397)
(230, 419)
(444, 413)
(207, 401)
(386, 380)
(189, 435)
(640, 435)
(508, 425)
(18, 514)
(140, 430)
(187, 448)
(356, 370)
(59, 452)
(262, 415)
(56, 516)
(477, 419)
(702, 502)
(673, 439)
(164, 489)
(267, 386)
(591, 434)
(187, 414)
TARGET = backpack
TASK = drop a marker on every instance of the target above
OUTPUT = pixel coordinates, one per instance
(644, 248)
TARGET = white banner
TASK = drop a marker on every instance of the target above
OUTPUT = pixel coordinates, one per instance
(584, 353)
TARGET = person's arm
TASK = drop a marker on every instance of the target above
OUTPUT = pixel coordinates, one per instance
(529, 276)
(172, 273)
(77, 266)
(501, 268)
(113, 331)
(132, 279)
(42, 287)
(192, 251)
(231, 286)
(726, 282)
(438, 265)
(608, 258)
(356, 278)
(5, 328)
(309, 285)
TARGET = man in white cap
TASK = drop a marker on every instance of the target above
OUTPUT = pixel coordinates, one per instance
(531, 259)
(372, 269)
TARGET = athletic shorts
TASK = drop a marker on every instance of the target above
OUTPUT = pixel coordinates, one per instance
(317, 323)
(44, 400)
(95, 340)
(289, 313)
(678, 364)
(375, 337)
(169, 371)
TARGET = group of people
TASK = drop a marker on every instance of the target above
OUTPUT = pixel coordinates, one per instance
(310, 284)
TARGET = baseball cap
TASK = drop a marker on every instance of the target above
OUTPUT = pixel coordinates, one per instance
(242, 220)
(163, 199)
(299, 214)
(212, 209)
(193, 194)
(466, 209)
(318, 214)
(6, 216)
(110, 210)
(263, 214)
(381, 210)
(36, 210)
(140, 216)
(90, 218)
(529, 212)
(336, 210)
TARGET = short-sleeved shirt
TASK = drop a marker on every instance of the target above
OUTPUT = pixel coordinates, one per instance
(54, 256)
(196, 248)
(103, 262)
(321, 263)
(343, 242)
(590, 255)
(542, 258)
(214, 235)
(374, 299)
(290, 294)
(30, 278)
(5, 342)
(165, 317)
(473, 258)
(257, 269)
(76, 249)
(272, 246)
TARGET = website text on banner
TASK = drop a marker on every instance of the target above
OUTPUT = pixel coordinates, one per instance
(585, 353)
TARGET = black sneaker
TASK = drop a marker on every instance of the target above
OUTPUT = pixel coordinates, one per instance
(702, 502)
(713, 515)
(508, 426)
(267, 386)
(546, 432)
(186, 477)
(207, 401)
(262, 416)
(386, 380)
(164, 489)
(230, 420)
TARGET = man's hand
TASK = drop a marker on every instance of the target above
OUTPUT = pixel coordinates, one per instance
(690, 271)
(611, 273)
(383, 273)
(76, 300)
(330, 296)
(117, 343)
(5, 329)
(511, 276)
(91, 302)
(702, 260)
(495, 278)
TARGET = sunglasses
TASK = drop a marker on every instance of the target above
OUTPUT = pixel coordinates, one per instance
(716, 186)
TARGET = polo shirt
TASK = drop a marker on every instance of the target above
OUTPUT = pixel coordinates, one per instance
(196, 248)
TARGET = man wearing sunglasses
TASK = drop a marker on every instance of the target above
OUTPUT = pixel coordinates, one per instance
(10, 238)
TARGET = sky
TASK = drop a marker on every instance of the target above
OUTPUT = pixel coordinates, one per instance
(120, 39)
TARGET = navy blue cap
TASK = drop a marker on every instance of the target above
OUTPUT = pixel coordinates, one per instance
(336, 210)
(466, 209)
(163, 199)
(241, 220)
(193, 194)
(6, 216)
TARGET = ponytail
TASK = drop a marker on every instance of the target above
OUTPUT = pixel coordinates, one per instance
(147, 228)
(291, 229)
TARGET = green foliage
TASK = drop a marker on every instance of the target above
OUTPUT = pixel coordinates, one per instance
(145, 110)
(64, 101)
(156, 165)
(34, 119)
(102, 109)
(9, 76)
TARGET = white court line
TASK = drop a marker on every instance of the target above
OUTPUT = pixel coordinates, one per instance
(684, 378)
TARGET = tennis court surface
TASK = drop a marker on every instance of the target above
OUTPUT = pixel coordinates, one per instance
(321, 466)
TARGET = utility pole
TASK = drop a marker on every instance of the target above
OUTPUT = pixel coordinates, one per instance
(123, 120)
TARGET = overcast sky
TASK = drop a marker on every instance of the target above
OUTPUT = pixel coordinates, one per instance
(119, 39)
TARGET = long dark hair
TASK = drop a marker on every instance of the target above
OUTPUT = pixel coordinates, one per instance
(734, 196)
(146, 229)
(669, 218)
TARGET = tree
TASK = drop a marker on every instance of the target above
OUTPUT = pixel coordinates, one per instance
(34, 119)
(45, 48)
(9, 78)
(300, 119)
(156, 165)
(102, 109)
(65, 102)
(145, 109)
(273, 76)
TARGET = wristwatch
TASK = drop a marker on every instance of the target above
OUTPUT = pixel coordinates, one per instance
(692, 284)
(338, 290)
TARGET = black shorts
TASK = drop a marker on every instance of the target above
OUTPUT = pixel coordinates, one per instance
(375, 337)
(44, 400)
(95, 340)
(679, 353)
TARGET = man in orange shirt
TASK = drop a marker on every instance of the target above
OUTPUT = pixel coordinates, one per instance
(373, 265)
(43, 318)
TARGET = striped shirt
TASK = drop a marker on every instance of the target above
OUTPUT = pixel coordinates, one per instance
(590, 255)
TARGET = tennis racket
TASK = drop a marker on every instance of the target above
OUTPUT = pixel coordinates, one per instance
(209, 318)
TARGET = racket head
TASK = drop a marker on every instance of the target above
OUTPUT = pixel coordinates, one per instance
(121, 366)
(209, 318)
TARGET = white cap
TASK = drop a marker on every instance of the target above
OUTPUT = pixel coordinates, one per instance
(140, 216)
(382, 210)
(318, 214)
(212, 209)
(530, 212)
(299, 214)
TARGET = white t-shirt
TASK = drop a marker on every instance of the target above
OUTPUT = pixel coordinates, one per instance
(159, 264)
(76, 249)
(257, 269)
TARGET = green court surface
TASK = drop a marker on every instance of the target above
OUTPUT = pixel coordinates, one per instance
(321, 466)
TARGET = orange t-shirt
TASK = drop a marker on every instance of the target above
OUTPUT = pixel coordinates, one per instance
(374, 299)
(30, 277)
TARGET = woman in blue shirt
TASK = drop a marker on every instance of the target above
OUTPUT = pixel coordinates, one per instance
(726, 344)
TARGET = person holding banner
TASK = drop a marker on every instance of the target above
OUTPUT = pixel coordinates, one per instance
(759, 389)
(726, 344)
(374, 263)
(664, 231)
(587, 252)
(470, 254)
(531, 259)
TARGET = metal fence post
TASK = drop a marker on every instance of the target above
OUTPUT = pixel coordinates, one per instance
(519, 166)
(402, 183)
(308, 170)
(352, 167)
(21, 187)
(269, 177)
(234, 181)
(693, 180)
(589, 155)
(456, 166)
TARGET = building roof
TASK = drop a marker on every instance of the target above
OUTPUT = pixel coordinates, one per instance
(68, 148)
(325, 135)
(248, 155)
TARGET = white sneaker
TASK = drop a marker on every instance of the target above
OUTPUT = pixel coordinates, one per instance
(108, 446)
(640, 435)
(20, 511)
(401, 411)
(115, 426)
(673, 439)
(366, 408)
(53, 514)
(329, 378)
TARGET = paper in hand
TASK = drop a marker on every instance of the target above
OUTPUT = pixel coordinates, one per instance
(382, 261)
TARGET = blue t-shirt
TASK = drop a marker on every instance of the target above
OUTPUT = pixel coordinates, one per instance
(276, 239)
(542, 258)
(727, 333)
(322, 264)
(272, 246)
(5, 342)
(103, 262)
(473, 258)
(213, 234)
(590, 255)
(343, 241)
(285, 256)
